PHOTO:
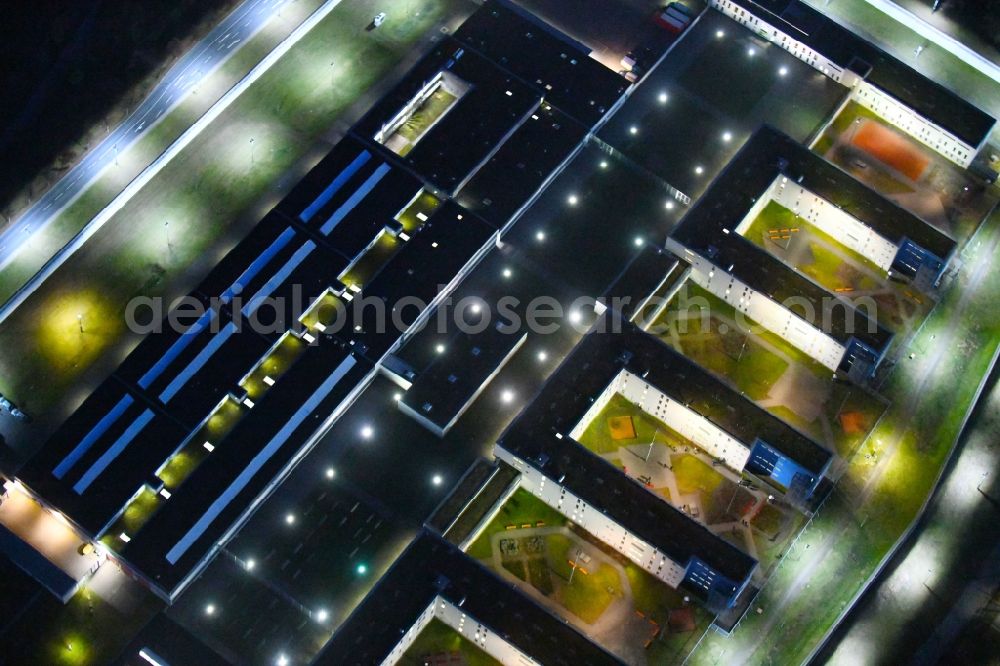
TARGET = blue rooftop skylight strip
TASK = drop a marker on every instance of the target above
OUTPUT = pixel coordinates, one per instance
(175, 349)
(278, 277)
(109, 456)
(355, 198)
(331, 189)
(237, 486)
(198, 362)
(267, 255)
(92, 436)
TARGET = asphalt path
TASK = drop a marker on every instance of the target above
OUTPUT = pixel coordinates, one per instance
(239, 26)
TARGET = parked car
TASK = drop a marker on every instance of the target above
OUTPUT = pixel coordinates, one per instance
(379, 19)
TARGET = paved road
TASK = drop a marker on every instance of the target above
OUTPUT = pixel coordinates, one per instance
(933, 33)
(815, 548)
(943, 21)
(945, 572)
(202, 59)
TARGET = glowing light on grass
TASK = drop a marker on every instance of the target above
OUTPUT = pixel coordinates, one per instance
(367, 432)
(572, 200)
(507, 396)
(331, 473)
(699, 169)
(663, 97)
(290, 519)
(539, 236)
(507, 273)
(437, 479)
(542, 356)
(727, 136)
(74, 329)
(361, 569)
(782, 71)
(633, 130)
(575, 317)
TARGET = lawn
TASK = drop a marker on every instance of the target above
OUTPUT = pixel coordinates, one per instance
(598, 438)
(437, 639)
(86, 630)
(172, 231)
(591, 591)
(429, 112)
(756, 376)
(521, 509)
(859, 528)
(719, 345)
(694, 475)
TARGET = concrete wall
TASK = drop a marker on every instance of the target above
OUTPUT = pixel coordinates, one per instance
(864, 93)
(715, 441)
(594, 521)
(486, 640)
(411, 635)
(918, 127)
(712, 439)
(833, 221)
(773, 316)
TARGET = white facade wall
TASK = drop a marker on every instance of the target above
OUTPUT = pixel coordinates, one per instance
(864, 93)
(773, 316)
(411, 635)
(915, 125)
(595, 409)
(776, 36)
(594, 521)
(758, 207)
(833, 221)
(715, 441)
(486, 640)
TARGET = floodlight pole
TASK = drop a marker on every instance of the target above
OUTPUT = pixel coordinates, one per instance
(79, 319)
(652, 440)
(572, 571)
(251, 152)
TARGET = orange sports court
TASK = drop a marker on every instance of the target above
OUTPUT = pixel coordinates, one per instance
(891, 148)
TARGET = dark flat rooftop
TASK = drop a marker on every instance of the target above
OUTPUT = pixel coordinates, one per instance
(245, 460)
(545, 58)
(570, 391)
(172, 643)
(826, 36)
(444, 389)
(727, 201)
(432, 257)
(518, 169)
(642, 277)
(473, 127)
(770, 153)
(431, 567)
